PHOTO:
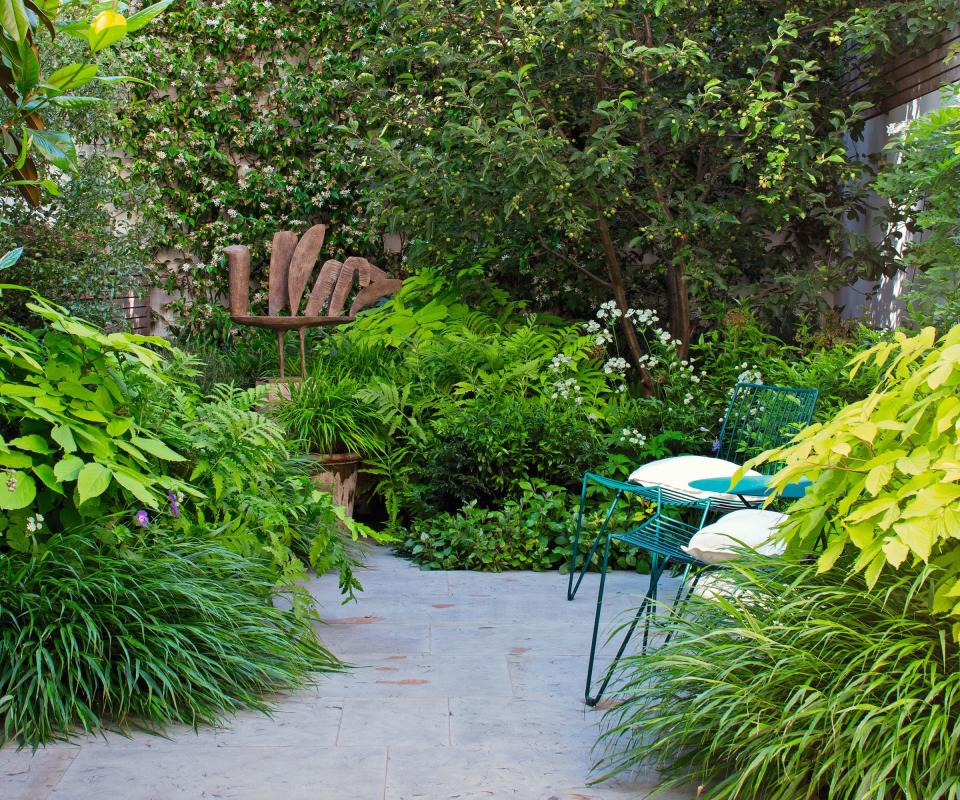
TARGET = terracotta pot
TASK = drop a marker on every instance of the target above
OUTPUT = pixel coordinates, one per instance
(338, 475)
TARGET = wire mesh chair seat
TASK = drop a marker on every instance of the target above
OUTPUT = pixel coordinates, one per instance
(758, 417)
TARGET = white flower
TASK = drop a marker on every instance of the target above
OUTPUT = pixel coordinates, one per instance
(592, 326)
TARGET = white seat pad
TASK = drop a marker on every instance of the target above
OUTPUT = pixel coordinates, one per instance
(676, 474)
(748, 528)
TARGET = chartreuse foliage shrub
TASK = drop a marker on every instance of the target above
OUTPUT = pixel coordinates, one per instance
(163, 630)
(886, 471)
(798, 685)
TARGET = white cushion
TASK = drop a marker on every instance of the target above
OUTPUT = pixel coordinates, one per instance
(676, 473)
(748, 528)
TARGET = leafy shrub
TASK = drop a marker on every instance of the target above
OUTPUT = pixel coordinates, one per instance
(168, 630)
(923, 182)
(534, 531)
(72, 449)
(482, 449)
(798, 686)
(886, 481)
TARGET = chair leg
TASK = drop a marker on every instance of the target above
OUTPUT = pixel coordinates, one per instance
(645, 610)
(684, 593)
(602, 533)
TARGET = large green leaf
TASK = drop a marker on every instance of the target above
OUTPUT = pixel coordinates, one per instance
(146, 15)
(17, 490)
(107, 28)
(13, 19)
(72, 76)
(57, 148)
(93, 481)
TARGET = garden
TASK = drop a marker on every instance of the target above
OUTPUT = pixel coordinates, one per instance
(550, 240)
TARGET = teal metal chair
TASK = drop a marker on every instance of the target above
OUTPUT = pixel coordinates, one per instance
(758, 417)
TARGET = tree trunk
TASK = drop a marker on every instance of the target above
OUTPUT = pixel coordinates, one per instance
(678, 306)
(614, 270)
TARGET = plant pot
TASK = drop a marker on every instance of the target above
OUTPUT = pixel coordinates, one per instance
(338, 476)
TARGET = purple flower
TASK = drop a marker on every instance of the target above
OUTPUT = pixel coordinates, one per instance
(716, 446)
(174, 506)
(142, 518)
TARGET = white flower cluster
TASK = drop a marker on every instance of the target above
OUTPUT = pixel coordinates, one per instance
(35, 523)
(604, 338)
(592, 326)
(567, 388)
(648, 360)
(616, 366)
(643, 316)
(749, 373)
(560, 361)
(609, 310)
(633, 436)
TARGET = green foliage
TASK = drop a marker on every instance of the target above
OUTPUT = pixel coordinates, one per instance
(247, 144)
(71, 449)
(641, 147)
(923, 184)
(482, 449)
(168, 630)
(886, 470)
(30, 88)
(327, 413)
(799, 686)
(533, 531)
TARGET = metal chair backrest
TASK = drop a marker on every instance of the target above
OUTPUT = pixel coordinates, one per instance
(760, 417)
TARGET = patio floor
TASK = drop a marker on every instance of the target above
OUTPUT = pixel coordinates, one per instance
(467, 686)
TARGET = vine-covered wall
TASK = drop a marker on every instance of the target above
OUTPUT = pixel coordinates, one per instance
(240, 138)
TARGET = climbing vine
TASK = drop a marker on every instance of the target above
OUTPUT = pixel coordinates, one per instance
(246, 141)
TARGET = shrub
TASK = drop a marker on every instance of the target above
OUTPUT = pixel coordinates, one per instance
(164, 631)
(797, 686)
(886, 481)
(533, 531)
(483, 448)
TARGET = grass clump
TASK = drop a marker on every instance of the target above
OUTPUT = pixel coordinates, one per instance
(798, 686)
(95, 638)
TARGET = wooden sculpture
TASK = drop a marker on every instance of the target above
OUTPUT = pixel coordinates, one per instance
(291, 265)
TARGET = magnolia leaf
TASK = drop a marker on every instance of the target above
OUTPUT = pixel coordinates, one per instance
(146, 15)
(56, 147)
(107, 28)
(92, 481)
(72, 76)
(13, 20)
(17, 489)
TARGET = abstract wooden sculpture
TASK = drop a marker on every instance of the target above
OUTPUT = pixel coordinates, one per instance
(291, 265)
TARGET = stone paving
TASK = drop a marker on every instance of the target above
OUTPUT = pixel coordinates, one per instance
(466, 686)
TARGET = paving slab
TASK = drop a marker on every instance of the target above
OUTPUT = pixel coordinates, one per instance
(466, 685)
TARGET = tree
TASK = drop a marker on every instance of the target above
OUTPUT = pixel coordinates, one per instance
(29, 89)
(697, 146)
